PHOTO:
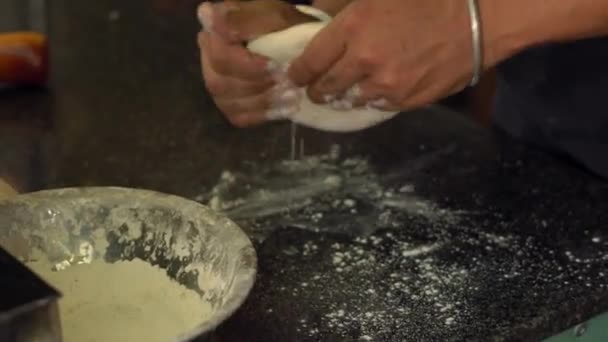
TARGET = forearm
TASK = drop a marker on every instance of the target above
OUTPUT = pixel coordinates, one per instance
(575, 19)
(513, 25)
(331, 7)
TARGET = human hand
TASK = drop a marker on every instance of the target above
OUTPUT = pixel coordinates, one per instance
(392, 54)
(246, 87)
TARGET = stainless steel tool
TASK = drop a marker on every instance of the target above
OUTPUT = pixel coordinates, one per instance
(28, 305)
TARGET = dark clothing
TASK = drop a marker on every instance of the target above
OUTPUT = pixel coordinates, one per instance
(554, 96)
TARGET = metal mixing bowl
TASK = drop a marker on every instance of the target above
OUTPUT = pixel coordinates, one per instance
(187, 239)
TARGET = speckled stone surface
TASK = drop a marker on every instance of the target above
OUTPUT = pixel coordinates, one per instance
(518, 253)
(436, 231)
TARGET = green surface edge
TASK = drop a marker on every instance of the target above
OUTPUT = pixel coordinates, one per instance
(594, 330)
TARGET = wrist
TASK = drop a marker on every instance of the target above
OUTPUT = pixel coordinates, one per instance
(573, 20)
(504, 30)
(510, 26)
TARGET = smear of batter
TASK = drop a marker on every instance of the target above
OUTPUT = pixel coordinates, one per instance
(123, 301)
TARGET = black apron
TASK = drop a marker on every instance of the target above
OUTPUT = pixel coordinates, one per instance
(556, 96)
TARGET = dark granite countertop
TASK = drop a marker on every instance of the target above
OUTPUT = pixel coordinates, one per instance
(426, 228)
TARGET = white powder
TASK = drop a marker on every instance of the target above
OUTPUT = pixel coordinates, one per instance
(420, 250)
(315, 192)
(123, 301)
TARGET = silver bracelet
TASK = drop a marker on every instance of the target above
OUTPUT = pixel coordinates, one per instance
(476, 35)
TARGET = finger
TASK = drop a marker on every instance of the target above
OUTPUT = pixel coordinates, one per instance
(384, 105)
(276, 99)
(212, 17)
(254, 118)
(410, 94)
(322, 52)
(405, 98)
(426, 93)
(236, 106)
(258, 108)
(248, 119)
(243, 112)
(234, 60)
(368, 91)
(219, 85)
(364, 93)
(339, 81)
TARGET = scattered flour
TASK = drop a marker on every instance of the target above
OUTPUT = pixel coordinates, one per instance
(399, 283)
(372, 258)
(324, 193)
(123, 301)
(412, 276)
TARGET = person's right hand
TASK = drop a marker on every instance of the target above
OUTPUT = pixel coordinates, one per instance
(246, 87)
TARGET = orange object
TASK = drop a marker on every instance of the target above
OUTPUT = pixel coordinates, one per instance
(23, 58)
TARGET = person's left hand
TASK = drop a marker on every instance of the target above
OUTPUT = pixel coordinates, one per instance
(400, 54)
(248, 88)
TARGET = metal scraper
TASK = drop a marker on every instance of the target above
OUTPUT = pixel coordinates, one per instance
(28, 306)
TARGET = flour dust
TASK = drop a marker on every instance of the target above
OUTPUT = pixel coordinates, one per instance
(320, 193)
(368, 258)
(123, 301)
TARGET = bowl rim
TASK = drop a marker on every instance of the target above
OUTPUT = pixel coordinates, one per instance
(241, 287)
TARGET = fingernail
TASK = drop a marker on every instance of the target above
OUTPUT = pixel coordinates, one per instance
(378, 103)
(207, 10)
(272, 66)
(279, 71)
(342, 104)
(285, 67)
(353, 93)
(281, 83)
(282, 112)
(286, 97)
(205, 16)
(327, 98)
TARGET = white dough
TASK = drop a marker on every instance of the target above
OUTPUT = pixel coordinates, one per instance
(282, 47)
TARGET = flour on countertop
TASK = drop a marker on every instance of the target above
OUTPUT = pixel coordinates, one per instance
(330, 194)
(123, 301)
(413, 274)
(390, 281)
(322, 193)
(388, 262)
